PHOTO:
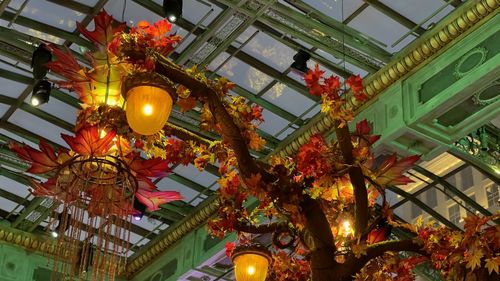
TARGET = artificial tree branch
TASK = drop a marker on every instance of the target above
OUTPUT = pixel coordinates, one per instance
(378, 249)
(356, 177)
(230, 131)
(317, 236)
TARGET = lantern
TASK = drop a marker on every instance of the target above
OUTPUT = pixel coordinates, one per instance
(251, 262)
(149, 99)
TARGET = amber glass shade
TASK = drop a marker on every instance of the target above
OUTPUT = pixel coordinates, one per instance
(250, 263)
(147, 108)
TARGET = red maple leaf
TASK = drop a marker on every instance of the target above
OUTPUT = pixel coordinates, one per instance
(42, 161)
(151, 168)
(355, 83)
(363, 130)
(66, 64)
(257, 113)
(391, 171)
(187, 104)
(312, 157)
(153, 199)
(104, 30)
(332, 84)
(229, 248)
(87, 142)
(312, 79)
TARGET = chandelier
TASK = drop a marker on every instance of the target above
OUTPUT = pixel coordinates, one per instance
(104, 178)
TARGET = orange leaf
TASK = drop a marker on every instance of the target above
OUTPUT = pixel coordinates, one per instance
(104, 30)
(153, 199)
(391, 171)
(151, 168)
(42, 161)
(88, 143)
(187, 104)
(355, 83)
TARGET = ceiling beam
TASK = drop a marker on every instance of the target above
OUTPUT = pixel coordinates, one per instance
(73, 5)
(448, 187)
(36, 25)
(424, 207)
(391, 13)
(341, 31)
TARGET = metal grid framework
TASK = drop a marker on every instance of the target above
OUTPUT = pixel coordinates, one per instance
(251, 42)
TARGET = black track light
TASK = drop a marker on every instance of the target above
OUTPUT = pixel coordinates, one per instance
(172, 9)
(41, 93)
(139, 208)
(41, 56)
(300, 61)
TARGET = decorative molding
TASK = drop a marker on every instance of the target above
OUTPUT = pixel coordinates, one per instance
(172, 235)
(478, 100)
(28, 241)
(459, 72)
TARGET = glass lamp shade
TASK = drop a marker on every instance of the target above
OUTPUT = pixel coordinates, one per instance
(251, 263)
(148, 105)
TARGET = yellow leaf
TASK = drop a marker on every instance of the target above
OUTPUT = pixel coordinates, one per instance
(315, 192)
(419, 221)
(493, 265)
(330, 194)
(456, 240)
(359, 249)
(474, 260)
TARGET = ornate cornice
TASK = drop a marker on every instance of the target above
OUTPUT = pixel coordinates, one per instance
(172, 235)
(469, 16)
(28, 241)
(463, 21)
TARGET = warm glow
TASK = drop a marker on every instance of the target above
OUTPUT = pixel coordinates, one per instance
(250, 267)
(147, 109)
(347, 228)
(251, 270)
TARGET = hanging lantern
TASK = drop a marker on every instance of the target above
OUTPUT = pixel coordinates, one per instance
(149, 99)
(251, 262)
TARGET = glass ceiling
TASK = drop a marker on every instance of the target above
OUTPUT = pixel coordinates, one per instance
(251, 42)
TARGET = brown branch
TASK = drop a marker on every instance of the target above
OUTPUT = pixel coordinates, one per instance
(357, 179)
(378, 249)
(230, 131)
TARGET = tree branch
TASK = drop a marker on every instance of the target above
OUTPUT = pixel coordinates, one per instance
(317, 225)
(378, 249)
(357, 179)
(230, 131)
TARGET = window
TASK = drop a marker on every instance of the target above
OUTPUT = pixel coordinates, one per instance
(431, 197)
(469, 207)
(466, 178)
(454, 214)
(415, 210)
(492, 195)
(452, 180)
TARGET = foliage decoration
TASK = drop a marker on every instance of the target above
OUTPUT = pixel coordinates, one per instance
(320, 205)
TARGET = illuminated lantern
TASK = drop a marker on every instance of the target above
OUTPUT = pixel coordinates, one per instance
(149, 99)
(251, 262)
(105, 83)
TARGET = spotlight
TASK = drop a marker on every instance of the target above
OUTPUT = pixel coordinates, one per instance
(172, 9)
(139, 210)
(41, 93)
(300, 61)
(54, 234)
(41, 56)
